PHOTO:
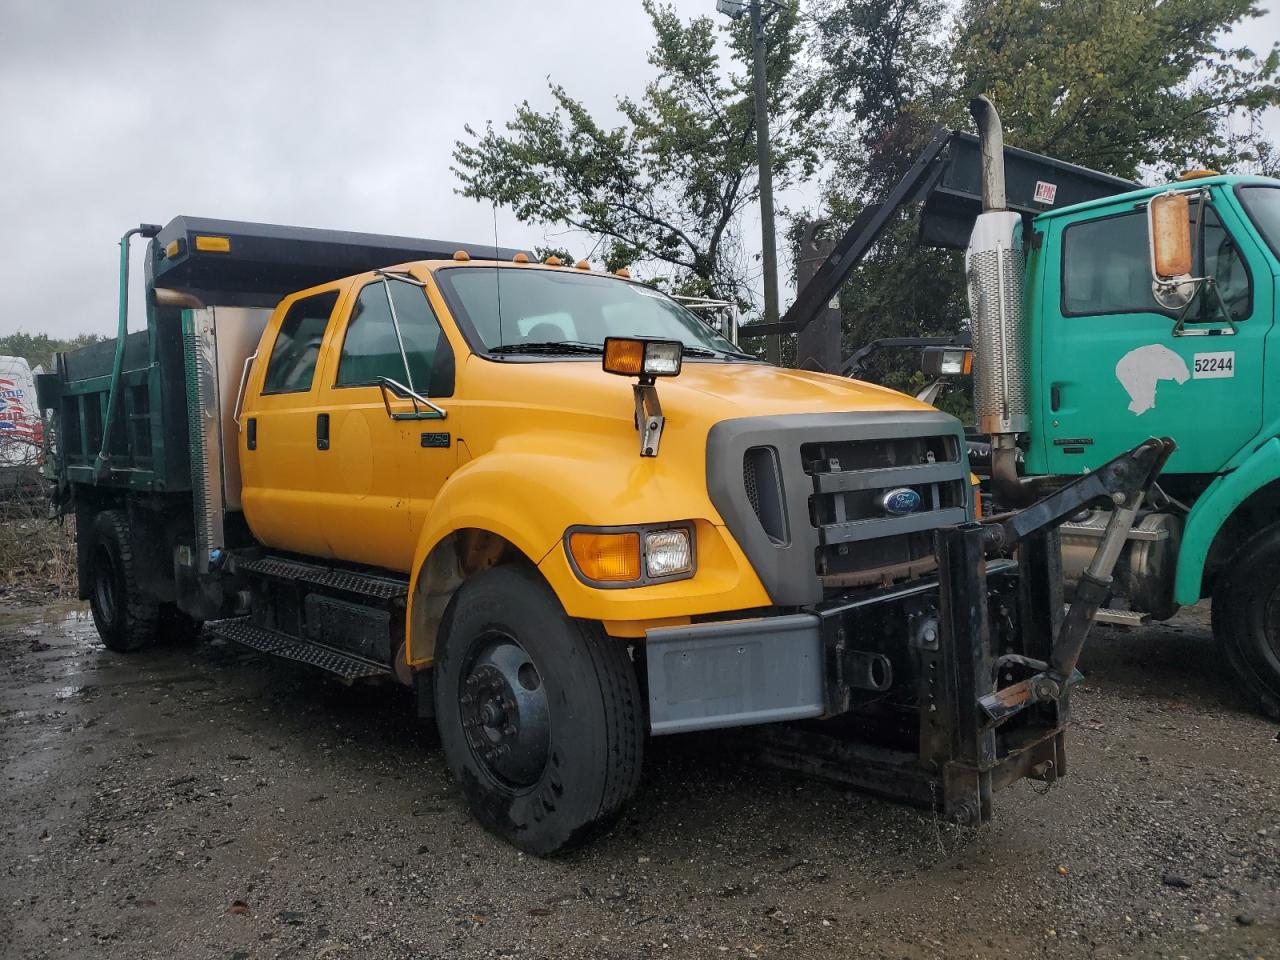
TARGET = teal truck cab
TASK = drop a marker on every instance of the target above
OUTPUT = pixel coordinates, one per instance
(1147, 312)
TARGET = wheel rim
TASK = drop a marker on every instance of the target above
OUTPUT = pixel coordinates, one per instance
(104, 588)
(503, 706)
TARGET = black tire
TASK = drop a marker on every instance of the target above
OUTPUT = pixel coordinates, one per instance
(542, 795)
(1246, 616)
(173, 626)
(125, 619)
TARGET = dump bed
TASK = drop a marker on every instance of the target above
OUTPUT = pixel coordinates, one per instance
(209, 288)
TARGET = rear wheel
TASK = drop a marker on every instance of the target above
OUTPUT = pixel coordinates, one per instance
(125, 619)
(1246, 616)
(539, 714)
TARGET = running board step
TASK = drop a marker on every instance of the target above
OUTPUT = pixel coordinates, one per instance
(347, 581)
(1123, 618)
(343, 665)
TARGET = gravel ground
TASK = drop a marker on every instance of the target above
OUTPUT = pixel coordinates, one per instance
(208, 802)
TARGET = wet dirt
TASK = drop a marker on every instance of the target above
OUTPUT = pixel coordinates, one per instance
(205, 801)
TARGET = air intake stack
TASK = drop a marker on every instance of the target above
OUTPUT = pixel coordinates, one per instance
(994, 269)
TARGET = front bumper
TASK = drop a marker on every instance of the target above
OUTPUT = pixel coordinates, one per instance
(938, 692)
(893, 680)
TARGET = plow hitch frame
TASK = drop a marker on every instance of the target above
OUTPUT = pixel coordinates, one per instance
(990, 656)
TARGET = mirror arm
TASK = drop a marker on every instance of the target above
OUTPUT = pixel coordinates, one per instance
(386, 384)
(1205, 283)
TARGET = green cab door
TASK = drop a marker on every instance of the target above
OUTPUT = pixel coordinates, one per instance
(1112, 372)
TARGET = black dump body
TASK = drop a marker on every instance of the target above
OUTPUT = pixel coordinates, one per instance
(263, 261)
(947, 178)
(195, 261)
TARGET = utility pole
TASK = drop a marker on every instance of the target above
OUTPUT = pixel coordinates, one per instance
(764, 159)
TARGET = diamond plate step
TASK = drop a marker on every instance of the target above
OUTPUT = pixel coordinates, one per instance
(344, 665)
(1123, 618)
(363, 584)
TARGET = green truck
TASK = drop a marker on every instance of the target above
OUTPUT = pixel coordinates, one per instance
(1087, 338)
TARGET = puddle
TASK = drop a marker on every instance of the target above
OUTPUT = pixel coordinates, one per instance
(68, 613)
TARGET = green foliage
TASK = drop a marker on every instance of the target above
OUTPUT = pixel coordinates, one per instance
(38, 348)
(665, 188)
(1119, 85)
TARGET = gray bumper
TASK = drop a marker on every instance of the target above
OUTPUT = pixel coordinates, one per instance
(735, 674)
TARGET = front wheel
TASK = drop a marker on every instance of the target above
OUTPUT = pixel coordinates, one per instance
(539, 714)
(1246, 616)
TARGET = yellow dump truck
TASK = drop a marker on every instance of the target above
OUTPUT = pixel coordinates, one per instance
(566, 512)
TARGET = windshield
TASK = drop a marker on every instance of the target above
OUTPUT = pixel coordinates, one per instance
(1263, 207)
(513, 310)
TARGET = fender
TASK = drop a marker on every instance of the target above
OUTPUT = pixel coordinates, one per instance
(529, 497)
(1212, 509)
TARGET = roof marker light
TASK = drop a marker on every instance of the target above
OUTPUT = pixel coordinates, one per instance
(213, 244)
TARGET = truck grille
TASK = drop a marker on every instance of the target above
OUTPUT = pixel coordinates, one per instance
(862, 538)
(805, 495)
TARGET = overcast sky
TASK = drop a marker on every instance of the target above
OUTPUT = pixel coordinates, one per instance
(324, 114)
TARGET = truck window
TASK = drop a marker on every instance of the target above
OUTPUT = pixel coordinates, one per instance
(1106, 268)
(371, 349)
(1263, 206)
(504, 307)
(297, 346)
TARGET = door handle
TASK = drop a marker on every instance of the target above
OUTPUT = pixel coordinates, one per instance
(1055, 398)
(251, 433)
(322, 431)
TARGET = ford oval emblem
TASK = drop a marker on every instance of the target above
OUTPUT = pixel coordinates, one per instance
(900, 501)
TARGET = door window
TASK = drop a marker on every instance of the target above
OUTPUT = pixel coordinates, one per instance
(372, 349)
(297, 347)
(1106, 269)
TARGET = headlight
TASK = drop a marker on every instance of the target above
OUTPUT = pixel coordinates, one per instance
(667, 552)
(631, 556)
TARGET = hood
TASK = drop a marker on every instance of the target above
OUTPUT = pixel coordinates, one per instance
(705, 391)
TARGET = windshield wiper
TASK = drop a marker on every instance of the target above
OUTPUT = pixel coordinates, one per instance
(704, 352)
(550, 347)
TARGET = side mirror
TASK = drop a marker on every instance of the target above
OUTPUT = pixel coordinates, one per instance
(1169, 236)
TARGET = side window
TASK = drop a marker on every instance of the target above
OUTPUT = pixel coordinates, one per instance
(1106, 268)
(1219, 258)
(371, 348)
(297, 347)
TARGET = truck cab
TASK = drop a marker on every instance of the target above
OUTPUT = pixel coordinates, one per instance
(567, 514)
(1145, 312)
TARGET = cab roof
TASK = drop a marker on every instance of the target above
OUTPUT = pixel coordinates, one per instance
(1223, 180)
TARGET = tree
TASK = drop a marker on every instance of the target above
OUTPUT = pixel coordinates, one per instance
(1123, 86)
(667, 187)
(38, 348)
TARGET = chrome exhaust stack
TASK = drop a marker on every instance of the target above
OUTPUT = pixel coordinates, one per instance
(993, 270)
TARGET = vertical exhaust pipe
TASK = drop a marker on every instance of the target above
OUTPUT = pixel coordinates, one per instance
(994, 270)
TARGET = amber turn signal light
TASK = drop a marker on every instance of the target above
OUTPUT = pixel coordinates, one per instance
(637, 357)
(606, 557)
